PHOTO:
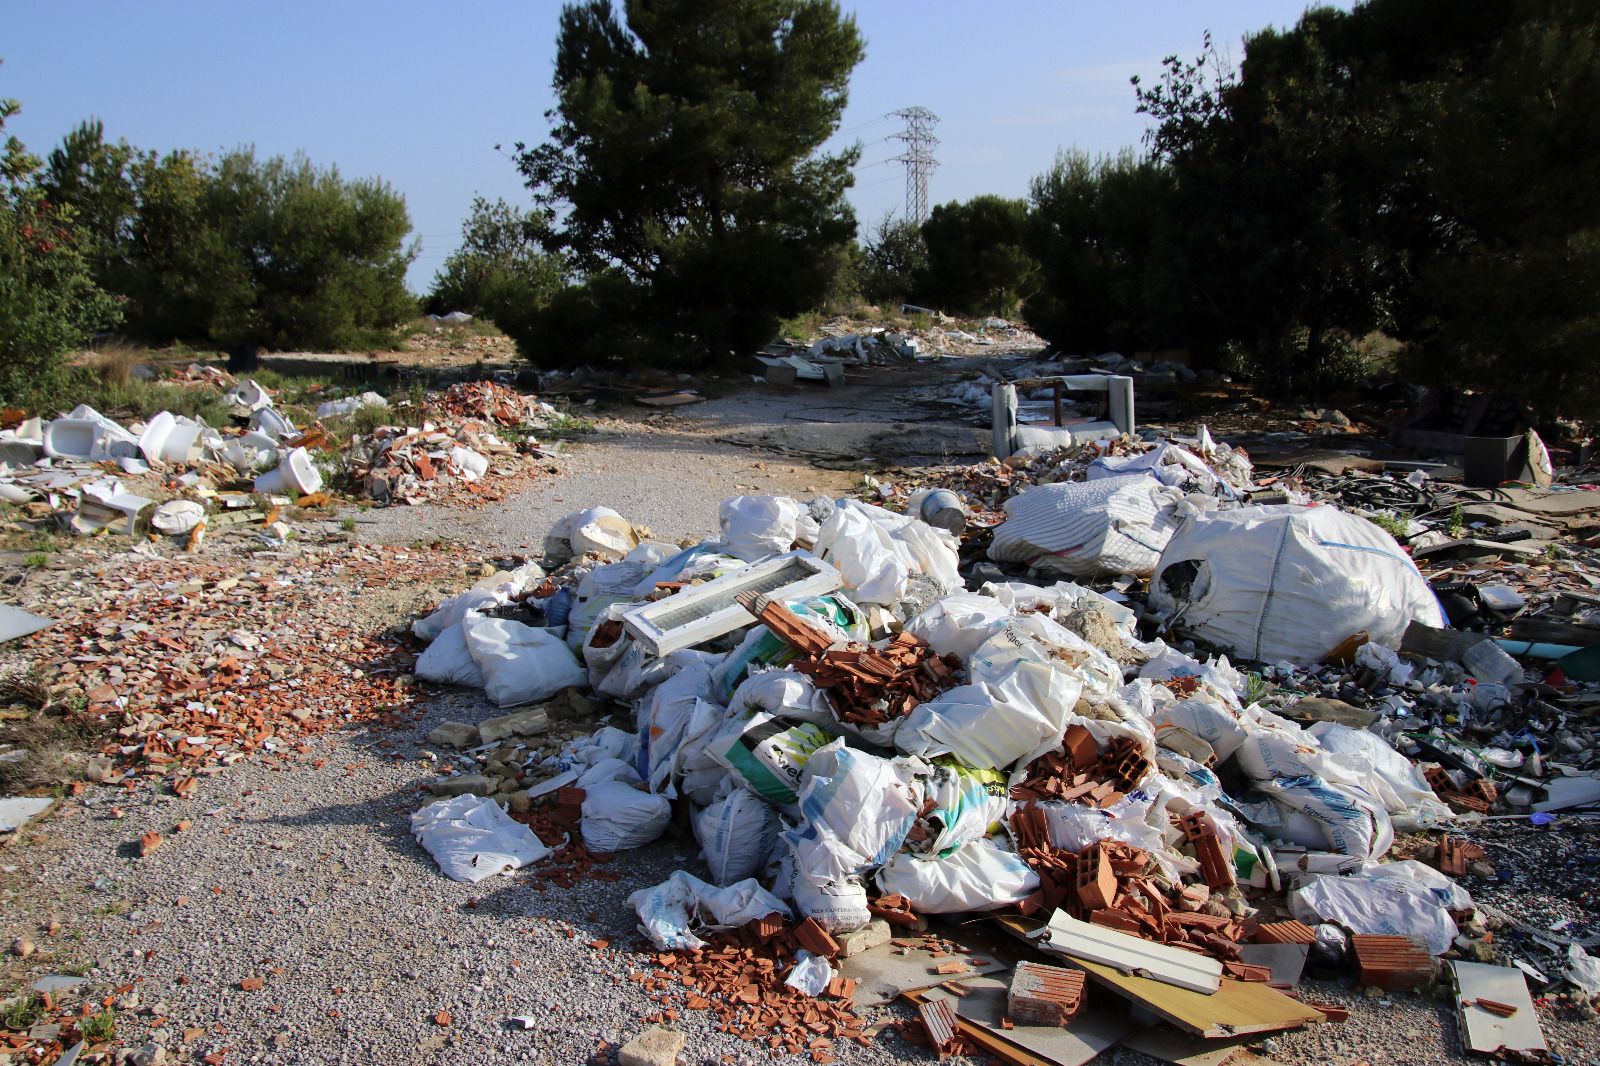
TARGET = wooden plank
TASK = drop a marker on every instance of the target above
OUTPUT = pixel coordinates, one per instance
(1003, 1050)
(1553, 631)
(1235, 1009)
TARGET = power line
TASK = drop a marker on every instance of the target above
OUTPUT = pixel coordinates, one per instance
(918, 157)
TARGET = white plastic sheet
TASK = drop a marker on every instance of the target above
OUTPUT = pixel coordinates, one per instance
(959, 623)
(876, 551)
(1369, 904)
(1289, 583)
(471, 838)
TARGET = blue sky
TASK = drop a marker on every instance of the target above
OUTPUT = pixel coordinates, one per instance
(420, 94)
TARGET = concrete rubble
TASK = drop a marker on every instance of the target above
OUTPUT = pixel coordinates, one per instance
(954, 730)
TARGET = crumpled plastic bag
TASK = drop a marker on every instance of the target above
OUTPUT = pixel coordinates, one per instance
(670, 913)
(599, 530)
(968, 804)
(815, 871)
(981, 876)
(1583, 969)
(811, 973)
(471, 838)
(767, 755)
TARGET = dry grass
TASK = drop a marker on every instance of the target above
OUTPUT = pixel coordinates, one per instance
(113, 361)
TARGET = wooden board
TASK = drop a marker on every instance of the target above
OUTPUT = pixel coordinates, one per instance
(1485, 1032)
(881, 975)
(1235, 1009)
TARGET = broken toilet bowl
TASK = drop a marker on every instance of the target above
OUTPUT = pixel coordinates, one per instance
(87, 438)
(171, 439)
(294, 473)
(248, 396)
(269, 422)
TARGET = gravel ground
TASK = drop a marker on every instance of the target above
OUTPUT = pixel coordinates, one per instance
(300, 870)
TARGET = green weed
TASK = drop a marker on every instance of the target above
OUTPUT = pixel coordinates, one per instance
(37, 560)
(21, 1012)
(98, 1028)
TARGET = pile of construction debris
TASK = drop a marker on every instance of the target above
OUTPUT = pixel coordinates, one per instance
(861, 742)
(472, 443)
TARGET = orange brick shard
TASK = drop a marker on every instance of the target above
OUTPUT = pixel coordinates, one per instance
(1289, 932)
(1201, 832)
(1097, 884)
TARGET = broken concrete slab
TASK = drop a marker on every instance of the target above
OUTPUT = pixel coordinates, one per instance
(1286, 961)
(454, 735)
(528, 723)
(874, 934)
(881, 973)
(463, 784)
(18, 811)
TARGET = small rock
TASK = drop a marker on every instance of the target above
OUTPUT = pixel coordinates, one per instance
(22, 947)
(654, 1047)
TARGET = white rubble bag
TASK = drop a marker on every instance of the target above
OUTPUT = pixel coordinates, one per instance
(447, 662)
(754, 527)
(619, 817)
(1117, 525)
(490, 590)
(669, 913)
(866, 803)
(992, 726)
(981, 876)
(1347, 820)
(471, 838)
(1289, 583)
(520, 664)
(767, 755)
(1393, 899)
(968, 805)
(675, 713)
(736, 834)
(1395, 779)
(959, 623)
(877, 551)
(599, 530)
(815, 871)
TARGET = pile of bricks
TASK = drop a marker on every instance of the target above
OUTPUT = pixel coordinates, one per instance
(1392, 963)
(738, 977)
(1081, 773)
(1044, 995)
(1477, 796)
(1114, 884)
(866, 684)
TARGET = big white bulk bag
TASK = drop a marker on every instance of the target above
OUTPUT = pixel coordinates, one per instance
(1279, 583)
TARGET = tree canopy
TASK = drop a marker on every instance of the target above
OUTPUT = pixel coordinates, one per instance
(683, 175)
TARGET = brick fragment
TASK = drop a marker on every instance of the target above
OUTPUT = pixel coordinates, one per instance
(1045, 995)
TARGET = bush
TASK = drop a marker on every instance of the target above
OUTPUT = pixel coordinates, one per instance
(892, 258)
(976, 260)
